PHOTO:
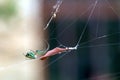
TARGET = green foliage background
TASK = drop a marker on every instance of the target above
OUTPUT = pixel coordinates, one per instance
(8, 10)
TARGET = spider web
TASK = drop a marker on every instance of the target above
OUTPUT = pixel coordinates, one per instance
(96, 34)
(96, 37)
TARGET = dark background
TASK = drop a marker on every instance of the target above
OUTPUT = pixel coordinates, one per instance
(93, 60)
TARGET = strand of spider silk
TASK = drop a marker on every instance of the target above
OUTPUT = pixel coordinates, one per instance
(87, 23)
(61, 33)
(109, 75)
(18, 63)
(48, 46)
(104, 75)
(97, 28)
(60, 57)
(115, 78)
(15, 64)
(100, 45)
(57, 6)
(100, 37)
(112, 8)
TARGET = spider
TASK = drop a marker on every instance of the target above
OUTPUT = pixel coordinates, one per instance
(34, 54)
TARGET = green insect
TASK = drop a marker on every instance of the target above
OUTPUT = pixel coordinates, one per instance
(33, 54)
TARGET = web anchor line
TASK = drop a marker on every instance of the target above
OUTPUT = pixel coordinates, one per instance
(76, 47)
(56, 7)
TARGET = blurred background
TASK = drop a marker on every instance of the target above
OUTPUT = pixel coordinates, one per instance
(98, 54)
(20, 31)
